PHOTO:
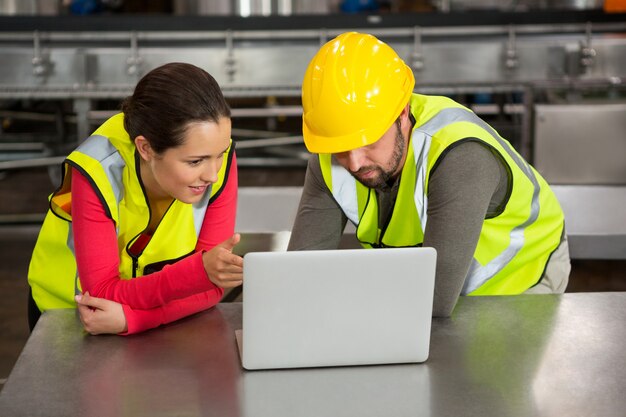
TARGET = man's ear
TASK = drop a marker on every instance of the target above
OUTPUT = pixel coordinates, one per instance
(405, 112)
(405, 120)
(144, 148)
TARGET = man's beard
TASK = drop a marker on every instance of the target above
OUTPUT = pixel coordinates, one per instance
(383, 176)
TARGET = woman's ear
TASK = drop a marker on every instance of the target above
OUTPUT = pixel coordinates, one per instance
(144, 148)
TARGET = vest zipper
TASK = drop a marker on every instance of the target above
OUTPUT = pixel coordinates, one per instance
(135, 266)
(135, 257)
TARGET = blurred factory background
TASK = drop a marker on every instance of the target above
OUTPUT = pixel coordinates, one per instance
(549, 75)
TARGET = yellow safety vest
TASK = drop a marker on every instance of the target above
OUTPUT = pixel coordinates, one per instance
(514, 246)
(108, 160)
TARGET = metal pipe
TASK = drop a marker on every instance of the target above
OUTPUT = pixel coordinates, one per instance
(267, 111)
(31, 163)
(101, 115)
(258, 143)
(270, 162)
(312, 34)
(18, 147)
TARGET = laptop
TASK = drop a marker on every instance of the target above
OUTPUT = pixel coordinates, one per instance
(336, 307)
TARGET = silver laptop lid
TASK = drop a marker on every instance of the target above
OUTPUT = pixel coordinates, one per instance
(337, 307)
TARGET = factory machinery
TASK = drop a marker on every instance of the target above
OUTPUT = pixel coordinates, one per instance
(551, 82)
(507, 66)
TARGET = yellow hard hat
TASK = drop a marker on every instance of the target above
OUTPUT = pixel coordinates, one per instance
(354, 88)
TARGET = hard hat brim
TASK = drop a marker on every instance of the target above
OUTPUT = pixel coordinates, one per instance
(321, 144)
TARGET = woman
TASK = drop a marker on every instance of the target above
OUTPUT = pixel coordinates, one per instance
(151, 196)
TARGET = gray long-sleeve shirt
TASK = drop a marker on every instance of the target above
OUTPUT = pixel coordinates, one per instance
(469, 185)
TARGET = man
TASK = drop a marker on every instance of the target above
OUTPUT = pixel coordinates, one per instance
(411, 170)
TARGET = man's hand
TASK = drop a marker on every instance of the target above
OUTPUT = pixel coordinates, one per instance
(100, 316)
(224, 268)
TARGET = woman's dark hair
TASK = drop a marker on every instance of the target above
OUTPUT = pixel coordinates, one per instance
(167, 99)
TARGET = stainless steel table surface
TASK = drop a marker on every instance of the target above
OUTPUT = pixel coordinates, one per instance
(530, 355)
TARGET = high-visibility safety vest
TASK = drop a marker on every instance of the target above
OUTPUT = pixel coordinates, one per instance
(108, 160)
(514, 245)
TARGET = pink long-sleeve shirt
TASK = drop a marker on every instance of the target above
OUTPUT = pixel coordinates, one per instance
(178, 290)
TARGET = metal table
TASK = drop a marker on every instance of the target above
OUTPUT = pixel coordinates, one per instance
(532, 355)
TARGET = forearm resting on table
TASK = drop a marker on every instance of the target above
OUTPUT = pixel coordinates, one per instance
(460, 192)
(140, 320)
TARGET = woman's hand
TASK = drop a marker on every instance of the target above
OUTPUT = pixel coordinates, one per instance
(224, 268)
(100, 316)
